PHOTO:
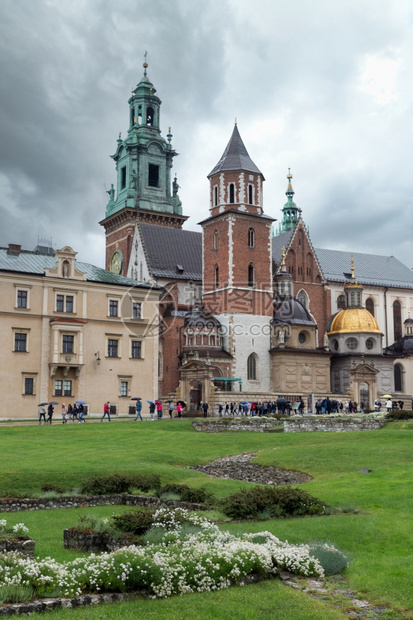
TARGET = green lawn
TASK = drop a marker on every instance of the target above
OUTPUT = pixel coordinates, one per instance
(379, 540)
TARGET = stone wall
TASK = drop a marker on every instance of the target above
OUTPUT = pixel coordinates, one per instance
(290, 425)
(17, 504)
(331, 424)
(25, 547)
(92, 543)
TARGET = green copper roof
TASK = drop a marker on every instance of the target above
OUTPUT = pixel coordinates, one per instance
(35, 263)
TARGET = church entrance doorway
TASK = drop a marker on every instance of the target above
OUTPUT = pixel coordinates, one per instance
(364, 395)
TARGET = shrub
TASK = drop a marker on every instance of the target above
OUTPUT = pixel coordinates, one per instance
(146, 482)
(273, 501)
(16, 594)
(187, 494)
(399, 415)
(331, 559)
(106, 485)
(136, 522)
(117, 483)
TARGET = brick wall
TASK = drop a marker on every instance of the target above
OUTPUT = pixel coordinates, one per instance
(302, 264)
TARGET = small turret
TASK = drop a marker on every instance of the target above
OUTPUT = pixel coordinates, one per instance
(291, 212)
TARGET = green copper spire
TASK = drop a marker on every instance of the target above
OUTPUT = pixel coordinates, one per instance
(144, 159)
(291, 212)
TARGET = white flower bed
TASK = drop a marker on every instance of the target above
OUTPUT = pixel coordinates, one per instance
(209, 559)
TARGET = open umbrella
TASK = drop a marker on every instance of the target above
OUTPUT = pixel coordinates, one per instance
(158, 402)
(80, 402)
(137, 398)
(53, 402)
(181, 402)
(387, 396)
(42, 404)
(150, 402)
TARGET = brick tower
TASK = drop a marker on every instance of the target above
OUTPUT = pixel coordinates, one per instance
(143, 187)
(237, 280)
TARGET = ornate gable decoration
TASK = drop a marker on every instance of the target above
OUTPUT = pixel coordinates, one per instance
(66, 265)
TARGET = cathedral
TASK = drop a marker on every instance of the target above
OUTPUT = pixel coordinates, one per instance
(248, 311)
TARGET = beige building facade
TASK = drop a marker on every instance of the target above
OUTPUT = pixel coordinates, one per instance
(71, 331)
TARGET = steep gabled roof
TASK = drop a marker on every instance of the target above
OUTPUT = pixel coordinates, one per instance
(173, 252)
(278, 243)
(235, 156)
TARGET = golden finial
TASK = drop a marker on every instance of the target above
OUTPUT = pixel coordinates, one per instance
(169, 129)
(145, 64)
(289, 175)
(352, 267)
(235, 122)
(120, 134)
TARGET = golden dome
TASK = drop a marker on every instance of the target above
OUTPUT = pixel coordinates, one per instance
(354, 320)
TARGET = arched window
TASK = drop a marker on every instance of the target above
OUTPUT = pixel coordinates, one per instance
(215, 240)
(398, 378)
(302, 297)
(370, 306)
(251, 275)
(215, 195)
(251, 237)
(149, 117)
(216, 276)
(250, 201)
(397, 320)
(341, 302)
(231, 193)
(252, 367)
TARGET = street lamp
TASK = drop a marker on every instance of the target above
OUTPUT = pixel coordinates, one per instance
(98, 360)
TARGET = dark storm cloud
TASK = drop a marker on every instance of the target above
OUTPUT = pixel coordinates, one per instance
(321, 87)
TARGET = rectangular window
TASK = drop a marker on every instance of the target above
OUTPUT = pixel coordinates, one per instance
(113, 307)
(67, 388)
(113, 348)
(136, 310)
(123, 388)
(68, 342)
(123, 177)
(60, 300)
(69, 303)
(136, 349)
(29, 385)
(22, 299)
(20, 342)
(153, 175)
(58, 387)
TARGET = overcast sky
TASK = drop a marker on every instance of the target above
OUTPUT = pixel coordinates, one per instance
(323, 87)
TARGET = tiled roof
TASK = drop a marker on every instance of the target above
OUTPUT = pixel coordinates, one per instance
(370, 269)
(173, 252)
(36, 263)
(235, 156)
